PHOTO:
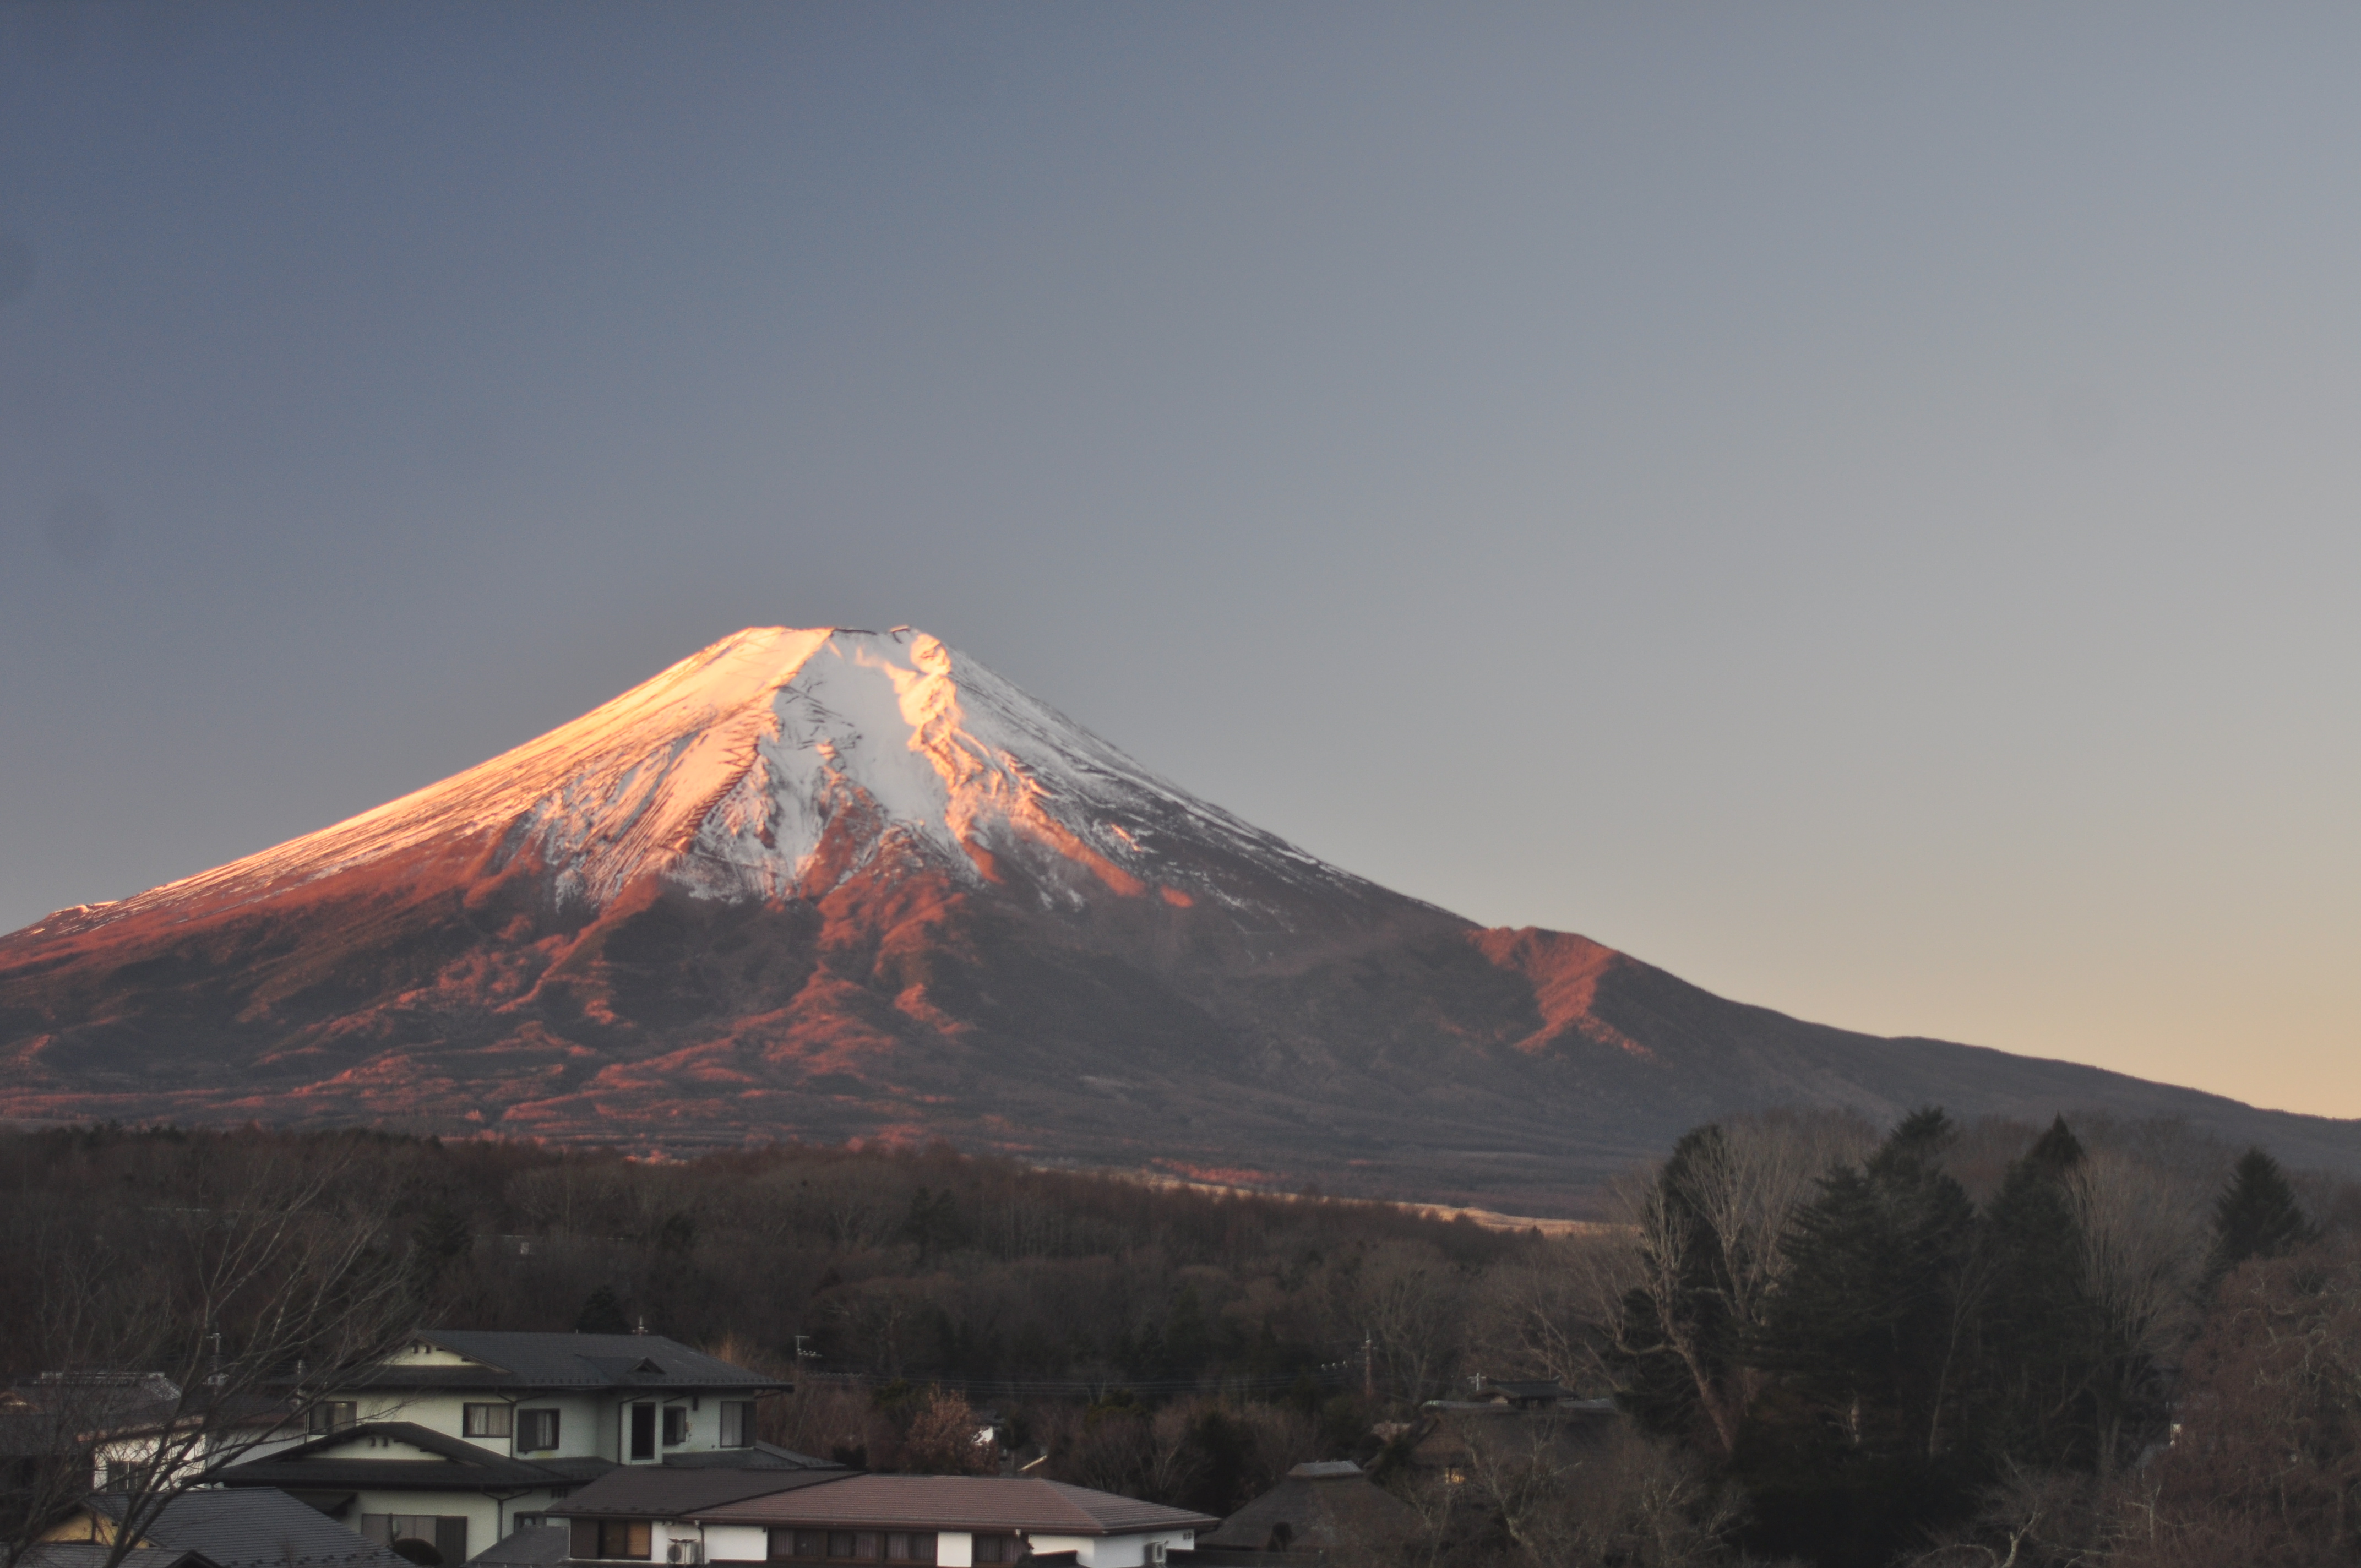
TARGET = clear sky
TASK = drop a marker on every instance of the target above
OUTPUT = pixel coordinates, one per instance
(1860, 506)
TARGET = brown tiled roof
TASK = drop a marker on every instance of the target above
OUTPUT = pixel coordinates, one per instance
(649, 1491)
(959, 1502)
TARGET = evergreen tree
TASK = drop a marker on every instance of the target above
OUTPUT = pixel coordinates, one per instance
(601, 1314)
(2039, 1342)
(1675, 1346)
(1859, 1449)
(2257, 1216)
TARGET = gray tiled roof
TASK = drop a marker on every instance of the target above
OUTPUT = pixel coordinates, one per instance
(1323, 1507)
(528, 1361)
(253, 1528)
(540, 1548)
(959, 1502)
(93, 1554)
(462, 1467)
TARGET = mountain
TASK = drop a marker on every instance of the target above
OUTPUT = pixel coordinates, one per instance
(836, 883)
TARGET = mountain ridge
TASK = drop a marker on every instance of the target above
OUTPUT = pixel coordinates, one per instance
(831, 884)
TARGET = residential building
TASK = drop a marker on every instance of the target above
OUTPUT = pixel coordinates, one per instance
(1318, 1507)
(893, 1521)
(460, 1438)
(251, 1527)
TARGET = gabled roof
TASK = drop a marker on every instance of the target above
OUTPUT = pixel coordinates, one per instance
(958, 1502)
(93, 1554)
(755, 1456)
(525, 1362)
(252, 1528)
(459, 1465)
(653, 1491)
(543, 1547)
(1322, 1506)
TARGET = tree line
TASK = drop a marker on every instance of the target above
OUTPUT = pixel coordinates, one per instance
(2096, 1343)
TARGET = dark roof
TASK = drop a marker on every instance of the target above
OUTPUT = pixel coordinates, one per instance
(93, 1554)
(1322, 1506)
(252, 1528)
(758, 1456)
(519, 1362)
(539, 1548)
(313, 1466)
(958, 1502)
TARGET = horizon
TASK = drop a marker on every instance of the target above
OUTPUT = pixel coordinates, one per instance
(1850, 509)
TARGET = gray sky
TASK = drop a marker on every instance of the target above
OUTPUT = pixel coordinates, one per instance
(1856, 505)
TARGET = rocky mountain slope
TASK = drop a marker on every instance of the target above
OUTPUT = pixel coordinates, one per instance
(832, 884)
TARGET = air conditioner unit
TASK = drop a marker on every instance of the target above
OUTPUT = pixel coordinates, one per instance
(684, 1552)
(1156, 1554)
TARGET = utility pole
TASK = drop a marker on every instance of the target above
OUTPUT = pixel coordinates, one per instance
(1369, 1367)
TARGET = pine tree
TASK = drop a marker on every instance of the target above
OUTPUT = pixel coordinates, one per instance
(1869, 1338)
(1674, 1348)
(2257, 1216)
(2040, 1340)
(601, 1314)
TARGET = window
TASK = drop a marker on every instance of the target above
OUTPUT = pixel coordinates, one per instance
(676, 1425)
(332, 1416)
(427, 1539)
(484, 1420)
(612, 1539)
(536, 1431)
(737, 1424)
(998, 1549)
(643, 1431)
(916, 1548)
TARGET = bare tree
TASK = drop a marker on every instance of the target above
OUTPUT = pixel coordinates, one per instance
(236, 1313)
(1738, 1189)
(2143, 1243)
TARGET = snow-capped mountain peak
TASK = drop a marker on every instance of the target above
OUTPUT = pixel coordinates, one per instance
(773, 763)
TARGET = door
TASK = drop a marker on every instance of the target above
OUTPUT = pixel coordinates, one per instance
(643, 1431)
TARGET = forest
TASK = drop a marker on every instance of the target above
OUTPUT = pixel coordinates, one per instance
(2092, 1342)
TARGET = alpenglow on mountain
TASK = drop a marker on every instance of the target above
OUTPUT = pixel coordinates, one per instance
(831, 883)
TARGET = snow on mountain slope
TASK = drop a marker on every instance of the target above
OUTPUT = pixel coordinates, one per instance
(730, 772)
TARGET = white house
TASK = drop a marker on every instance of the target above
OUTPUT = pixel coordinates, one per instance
(946, 1521)
(460, 1438)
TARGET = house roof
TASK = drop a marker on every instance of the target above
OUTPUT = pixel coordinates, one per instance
(252, 1528)
(341, 1460)
(94, 1554)
(525, 1362)
(652, 1491)
(957, 1502)
(1321, 1506)
(542, 1548)
(756, 1456)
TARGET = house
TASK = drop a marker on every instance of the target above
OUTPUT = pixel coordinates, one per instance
(109, 1423)
(1316, 1508)
(459, 1438)
(253, 1528)
(948, 1521)
(85, 1554)
(1535, 1395)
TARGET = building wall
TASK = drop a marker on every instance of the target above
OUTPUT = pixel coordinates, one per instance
(588, 1425)
(737, 1543)
(954, 1549)
(1113, 1550)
